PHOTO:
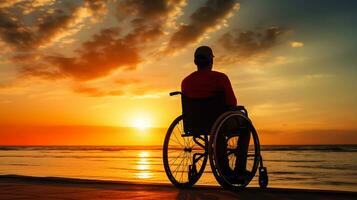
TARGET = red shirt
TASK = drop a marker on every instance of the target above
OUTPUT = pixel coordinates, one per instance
(206, 83)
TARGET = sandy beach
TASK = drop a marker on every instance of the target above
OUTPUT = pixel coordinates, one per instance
(25, 187)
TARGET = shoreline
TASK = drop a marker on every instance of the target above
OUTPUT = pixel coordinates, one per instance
(29, 187)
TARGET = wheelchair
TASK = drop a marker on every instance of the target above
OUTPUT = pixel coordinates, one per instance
(206, 129)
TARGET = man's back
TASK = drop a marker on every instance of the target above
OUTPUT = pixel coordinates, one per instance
(206, 83)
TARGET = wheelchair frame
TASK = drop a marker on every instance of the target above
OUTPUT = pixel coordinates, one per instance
(208, 149)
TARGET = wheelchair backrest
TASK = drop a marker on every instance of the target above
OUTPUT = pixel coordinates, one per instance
(199, 114)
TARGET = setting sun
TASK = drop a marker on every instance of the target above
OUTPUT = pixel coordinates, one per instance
(141, 123)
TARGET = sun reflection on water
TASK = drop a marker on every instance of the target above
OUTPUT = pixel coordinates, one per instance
(143, 165)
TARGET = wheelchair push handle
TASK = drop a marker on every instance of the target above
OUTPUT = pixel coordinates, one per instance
(175, 93)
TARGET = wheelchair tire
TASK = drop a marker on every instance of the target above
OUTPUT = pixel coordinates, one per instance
(178, 156)
(217, 170)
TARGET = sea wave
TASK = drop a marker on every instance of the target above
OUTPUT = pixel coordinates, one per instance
(320, 148)
(79, 148)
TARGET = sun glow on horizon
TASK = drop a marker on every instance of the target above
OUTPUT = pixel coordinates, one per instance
(141, 123)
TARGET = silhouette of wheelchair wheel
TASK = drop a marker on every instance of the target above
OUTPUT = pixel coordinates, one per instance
(224, 159)
(184, 156)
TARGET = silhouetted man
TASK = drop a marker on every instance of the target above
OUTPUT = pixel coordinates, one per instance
(206, 83)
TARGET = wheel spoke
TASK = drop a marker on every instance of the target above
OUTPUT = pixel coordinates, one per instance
(177, 168)
(175, 159)
(190, 141)
(177, 138)
(176, 141)
(184, 138)
(184, 167)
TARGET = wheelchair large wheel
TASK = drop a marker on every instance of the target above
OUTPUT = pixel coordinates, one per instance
(224, 159)
(184, 156)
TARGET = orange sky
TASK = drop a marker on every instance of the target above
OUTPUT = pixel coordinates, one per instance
(74, 73)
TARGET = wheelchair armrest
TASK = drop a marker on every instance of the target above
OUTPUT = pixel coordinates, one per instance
(175, 93)
(242, 108)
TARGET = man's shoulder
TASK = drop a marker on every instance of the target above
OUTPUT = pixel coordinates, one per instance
(219, 74)
(189, 76)
(213, 74)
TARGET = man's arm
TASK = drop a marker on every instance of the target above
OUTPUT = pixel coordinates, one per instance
(184, 86)
(228, 91)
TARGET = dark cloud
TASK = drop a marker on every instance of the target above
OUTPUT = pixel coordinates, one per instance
(211, 14)
(143, 32)
(128, 81)
(98, 57)
(46, 24)
(33, 64)
(106, 51)
(50, 24)
(13, 31)
(40, 70)
(97, 6)
(97, 92)
(119, 87)
(149, 17)
(152, 9)
(245, 45)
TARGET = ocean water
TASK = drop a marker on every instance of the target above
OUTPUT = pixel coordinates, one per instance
(331, 167)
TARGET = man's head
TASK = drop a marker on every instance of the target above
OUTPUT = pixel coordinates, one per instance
(204, 57)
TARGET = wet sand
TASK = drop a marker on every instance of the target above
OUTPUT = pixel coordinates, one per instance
(25, 187)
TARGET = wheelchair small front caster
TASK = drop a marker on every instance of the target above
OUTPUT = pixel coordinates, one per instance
(263, 177)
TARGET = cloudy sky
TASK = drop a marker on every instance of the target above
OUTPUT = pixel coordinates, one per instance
(111, 63)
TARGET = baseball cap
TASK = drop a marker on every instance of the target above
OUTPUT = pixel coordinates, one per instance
(204, 51)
